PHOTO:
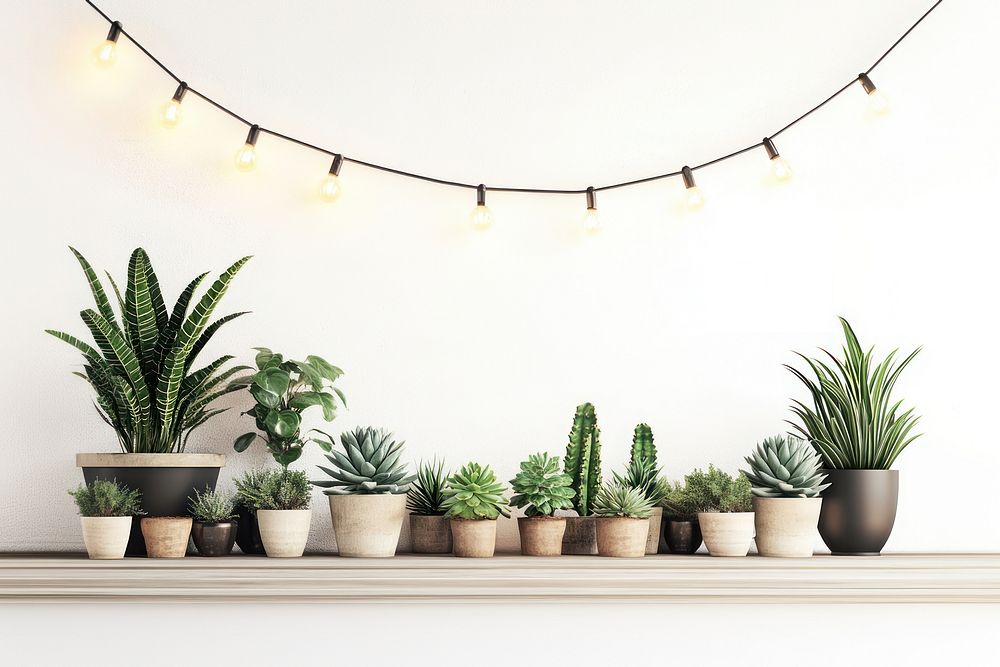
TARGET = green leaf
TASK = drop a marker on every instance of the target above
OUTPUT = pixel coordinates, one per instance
(263, 356)
(307, 399)
(326, 369)
(168, 334)
(126, 359)
(100, 296)
(283, 423)
(274, 380)
(209, 332)
(264, 397)
(289, 456)
(244, 441)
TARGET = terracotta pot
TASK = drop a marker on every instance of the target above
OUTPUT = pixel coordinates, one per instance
(859, 510)
(284, 532)
(214, 539)
(367, 525)
(786, 527)
(622, 537)
(727, 533)
(248, 533)
(106, 536)
(166, 536)
(580, 538)
(682, 537)
(474, 538)
(541, 535)
(653, 539)
(430, 534)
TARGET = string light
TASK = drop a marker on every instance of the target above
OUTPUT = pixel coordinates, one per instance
(172, 109)
(107, 52)
(246, 157)
(693, 197)
(481, 216)
(591, 220)
(877, 100)
(779, 165)
(329, 188)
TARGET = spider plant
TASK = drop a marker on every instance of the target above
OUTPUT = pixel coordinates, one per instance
(853, 422)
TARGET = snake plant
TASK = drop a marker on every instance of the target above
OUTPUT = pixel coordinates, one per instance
(141, 370)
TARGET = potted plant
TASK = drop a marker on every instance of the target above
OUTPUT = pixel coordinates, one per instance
(622, 521)
(859, 430)
(681, 532)
(540, 488)
(147, 389)
(786, 483)
(214, 528)
(583, 465)
(474, 500)
(283, 516)
(249, 488)
(644, 449)
(430, 529)
(166, 536)
(725, 512)
(643, 476)
(106, 511)
(367, 492)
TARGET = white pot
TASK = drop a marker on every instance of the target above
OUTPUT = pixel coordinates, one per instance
(284, 532)
(786, 527)
(106, 536)
(653, 539)
(367, 525)
(727, 533)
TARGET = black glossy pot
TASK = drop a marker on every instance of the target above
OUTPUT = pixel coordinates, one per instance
(859, 510)
(248, 535)
(214, 539)
(682, 537)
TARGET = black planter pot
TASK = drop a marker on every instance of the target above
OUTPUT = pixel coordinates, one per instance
(214, 539)
(165, 481)
(859, 510)
(248, 534)
(682, 537)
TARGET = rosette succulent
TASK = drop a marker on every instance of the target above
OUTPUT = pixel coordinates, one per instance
(474, 493)
(426, 494)
(783, 467)
(541, 487)
(618, 500)
(368, 464)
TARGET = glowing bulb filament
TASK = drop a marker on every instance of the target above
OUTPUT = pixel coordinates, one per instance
(693, 198)
(591, 219)
(481, 217)
(330, 188)
(107, 52)
(246, 157)
(172, 109)
(779, 166)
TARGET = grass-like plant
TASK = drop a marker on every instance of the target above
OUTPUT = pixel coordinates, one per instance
(277, 490)
(210, 506)
(426, 494)
(141, 371)
(540, 487)
(783, 467)
(642, 474)
(474, 493)
(618, 500)
(717, 491)
(249, 487)
(853, 422)
(104, 498)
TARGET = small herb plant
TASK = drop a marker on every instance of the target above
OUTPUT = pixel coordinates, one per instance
(212, 506)
(369, 464)
(426, 494)
(678, 504)
(717, 491)
(277, 490)
(104, 499)
(541, 487)
(643, 475)
(249, 488)
(618, 500)
(283, 390)
(783, 467)
(474, 493)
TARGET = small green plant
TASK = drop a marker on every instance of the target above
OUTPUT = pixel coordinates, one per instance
(540, 487)
(369, 464)
(249, 487)
(277, 490)
(717, 491)
(642, 445)
(474, 493)
(283, 389)
(783, 467)
(426, 494)
(210, 506)
(678, 504)
(642, 474)
(617, 500)
(104, 498)
(583, 458)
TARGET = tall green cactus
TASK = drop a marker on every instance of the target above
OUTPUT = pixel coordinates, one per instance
(642, 445)
(583, 458)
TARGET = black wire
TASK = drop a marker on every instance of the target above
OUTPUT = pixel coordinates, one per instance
(459, 184)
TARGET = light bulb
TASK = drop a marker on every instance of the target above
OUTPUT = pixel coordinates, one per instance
(171, 113)
(878, 102)
(329, 188)
(694, 198)
(246, 158)
(591, 221)
(481, 217)
(106, 53)
(781, 169)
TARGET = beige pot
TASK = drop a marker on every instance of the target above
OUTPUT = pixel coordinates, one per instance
(106, 536)
(580, 538)
(430, 534)
(653, 539)
(166, 536)
(786, 527)
(727, 533)
(474, 538)
(541, 535)
(622, 537)
(367, 525)
(284, 532)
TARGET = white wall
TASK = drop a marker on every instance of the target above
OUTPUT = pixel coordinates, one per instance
(480, 346)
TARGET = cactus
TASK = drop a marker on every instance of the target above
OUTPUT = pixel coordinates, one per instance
(583, 458)
(642, 445)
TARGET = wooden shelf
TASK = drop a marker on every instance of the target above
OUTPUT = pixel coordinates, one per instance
(896, 578)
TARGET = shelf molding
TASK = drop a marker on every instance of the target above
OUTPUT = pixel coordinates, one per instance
(895, 578)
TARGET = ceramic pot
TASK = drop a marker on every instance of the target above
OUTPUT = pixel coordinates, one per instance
(106, 536)
(682, 537)
(166, 536)
(653, 539)
(622, 537)
(727, 533)
(165, 481)
(474, 538)
(580, 538)
(284, 532)
(859, 509)
(430, 534)
(248, 533)
(214, 539)
(367, 525)
(786, 527)
(541, 535)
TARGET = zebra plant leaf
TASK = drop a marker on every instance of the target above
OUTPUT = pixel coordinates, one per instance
(140, 314)
(168, 334)
(100, 296)
(125, 356)
(209, 332)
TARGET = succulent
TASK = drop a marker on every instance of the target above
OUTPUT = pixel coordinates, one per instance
(474, 493)
(103, 498)
(785, 468)
(248, 487)
(426, 494)
(212, 506)
(541, 488)
(583, 458)
(642, 474)
(717, 491)
(277, 490)
(642, 445)
(369, 464)
(617, 500)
